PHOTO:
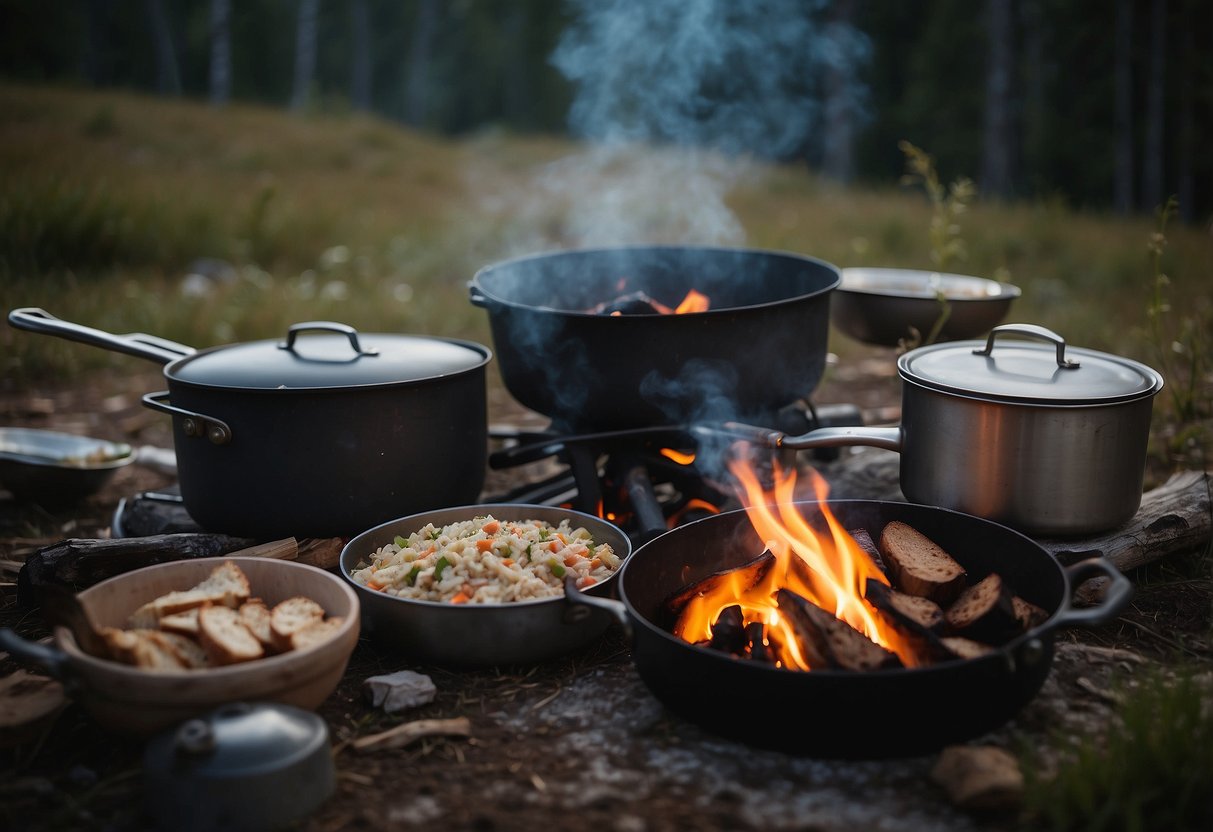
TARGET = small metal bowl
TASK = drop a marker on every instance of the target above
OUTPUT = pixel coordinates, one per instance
(481, 635)
(879, 306)
(45, 466)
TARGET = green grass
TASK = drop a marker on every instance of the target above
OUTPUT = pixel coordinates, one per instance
(1152, 770)
(106, 198)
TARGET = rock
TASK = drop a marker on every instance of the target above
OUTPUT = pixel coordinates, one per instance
(399, 691)
(979, 777)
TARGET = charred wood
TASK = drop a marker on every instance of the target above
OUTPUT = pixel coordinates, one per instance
(828, 642)
(728, 632)
(749, 573)
(755, 636)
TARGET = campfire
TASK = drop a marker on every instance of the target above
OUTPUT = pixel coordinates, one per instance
(641, 303)
(822, 596)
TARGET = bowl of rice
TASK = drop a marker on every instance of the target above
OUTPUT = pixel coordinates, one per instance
(484, 585)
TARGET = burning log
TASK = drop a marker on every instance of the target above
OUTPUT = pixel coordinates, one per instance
(728, 633)
(748, 575)
(828, 642)
(633, 303)
(984, 611)
(755, 636)
(869, 547)
(919, 566)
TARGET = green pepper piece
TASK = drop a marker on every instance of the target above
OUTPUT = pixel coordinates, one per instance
(442, 563)
(411, 578)
(556, 567)
(400, 542)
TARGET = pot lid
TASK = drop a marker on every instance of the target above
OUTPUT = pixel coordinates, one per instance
(337, 356)
(1051, 373)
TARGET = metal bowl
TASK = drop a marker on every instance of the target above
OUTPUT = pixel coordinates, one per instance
(50, 467)
(880, 306)
(481, 635)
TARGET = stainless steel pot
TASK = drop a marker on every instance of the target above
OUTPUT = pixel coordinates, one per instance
(481, 635)
(1047, 439)
(315, 435)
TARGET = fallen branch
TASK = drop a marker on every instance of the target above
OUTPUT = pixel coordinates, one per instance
(409, 732)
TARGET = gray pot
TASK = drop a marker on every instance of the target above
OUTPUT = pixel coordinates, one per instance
(481, 635)
(1049, 440)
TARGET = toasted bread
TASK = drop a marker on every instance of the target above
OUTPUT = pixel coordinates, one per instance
(225, 638)
(919, 566)
(291, 616)
(187, 650)
(184, 623)
(256, 616)
(316, 633)
(144, 649)
(226, 586)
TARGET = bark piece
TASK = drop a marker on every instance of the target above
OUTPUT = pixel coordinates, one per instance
(828, 642)
(979, 777)
(918, 565)
(984, 611)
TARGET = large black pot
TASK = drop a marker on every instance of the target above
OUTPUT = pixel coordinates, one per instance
(761, 344)
(323, 435)
(843, 714)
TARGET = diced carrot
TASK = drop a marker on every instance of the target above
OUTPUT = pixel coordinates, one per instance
(490, 527)
(595, 563)
(586, 581)
(374, 586)
(461, 598)
(572, 559)
(484, 545)
(555, 546)
(507, 562)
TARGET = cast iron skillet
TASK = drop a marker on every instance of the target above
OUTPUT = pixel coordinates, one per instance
(840, 714)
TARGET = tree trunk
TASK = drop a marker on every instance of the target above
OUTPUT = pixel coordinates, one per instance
(221, 52)
(419, 63)
(996, 173)
(838, 156)
(168, 79)
(1190, 70)
(1038, 73)
(360, 78)
(96, 53)
(305, 54)
(1152, 181)
(1122, 181)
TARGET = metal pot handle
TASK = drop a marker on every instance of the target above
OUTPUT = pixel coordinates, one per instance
(329, 326)
(55, 661)
(194, 424)
(477, 297)
(1032, 331)
(1120, 590)
(890, 439)
(581, 606)
(138, 344)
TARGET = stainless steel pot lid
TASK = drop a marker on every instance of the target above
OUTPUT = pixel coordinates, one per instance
(1051, 373)
(323, 354)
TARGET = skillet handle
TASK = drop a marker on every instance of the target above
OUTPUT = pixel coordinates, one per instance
(581, 605)
(46, 656)
(1120, 590)
(160, 350)
(890, 439)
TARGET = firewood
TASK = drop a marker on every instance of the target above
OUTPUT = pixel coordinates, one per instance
(919, 566)
(749, 574)
(869, 547)
(957, 647)
(911, 612)
(728, 631)
(755, 634)
(1027, 614)
(828, 642)
(984, 611)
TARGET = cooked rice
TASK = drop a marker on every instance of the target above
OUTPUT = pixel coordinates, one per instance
(487, 561)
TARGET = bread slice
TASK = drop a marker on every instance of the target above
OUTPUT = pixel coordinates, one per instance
(256, 616)
(984, 611)
(1028, 614)
(187, 650)
(225, 638)
(291, 616)
(315, 633)
(919, 566)
(182, 623)
(965, 648)
(226, 586)
(143, 649)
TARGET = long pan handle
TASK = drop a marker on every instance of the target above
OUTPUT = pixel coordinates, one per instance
(138, 344)
(887, 438)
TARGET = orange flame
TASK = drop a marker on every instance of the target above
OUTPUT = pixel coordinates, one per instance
(678, 456)
(827, 568)
(694, 302)
(691, 505)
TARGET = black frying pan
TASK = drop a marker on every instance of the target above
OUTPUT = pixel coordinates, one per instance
(842, 714)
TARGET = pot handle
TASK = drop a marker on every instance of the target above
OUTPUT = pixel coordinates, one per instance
(194, 424)
(138, 344)
(581, 606)
(890, 439)
(329, 326)
(1120, 590)
(55, 661)
(477, 297)
(1032, 331)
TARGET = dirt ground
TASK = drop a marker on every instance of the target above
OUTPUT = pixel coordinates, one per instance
(576, 743)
